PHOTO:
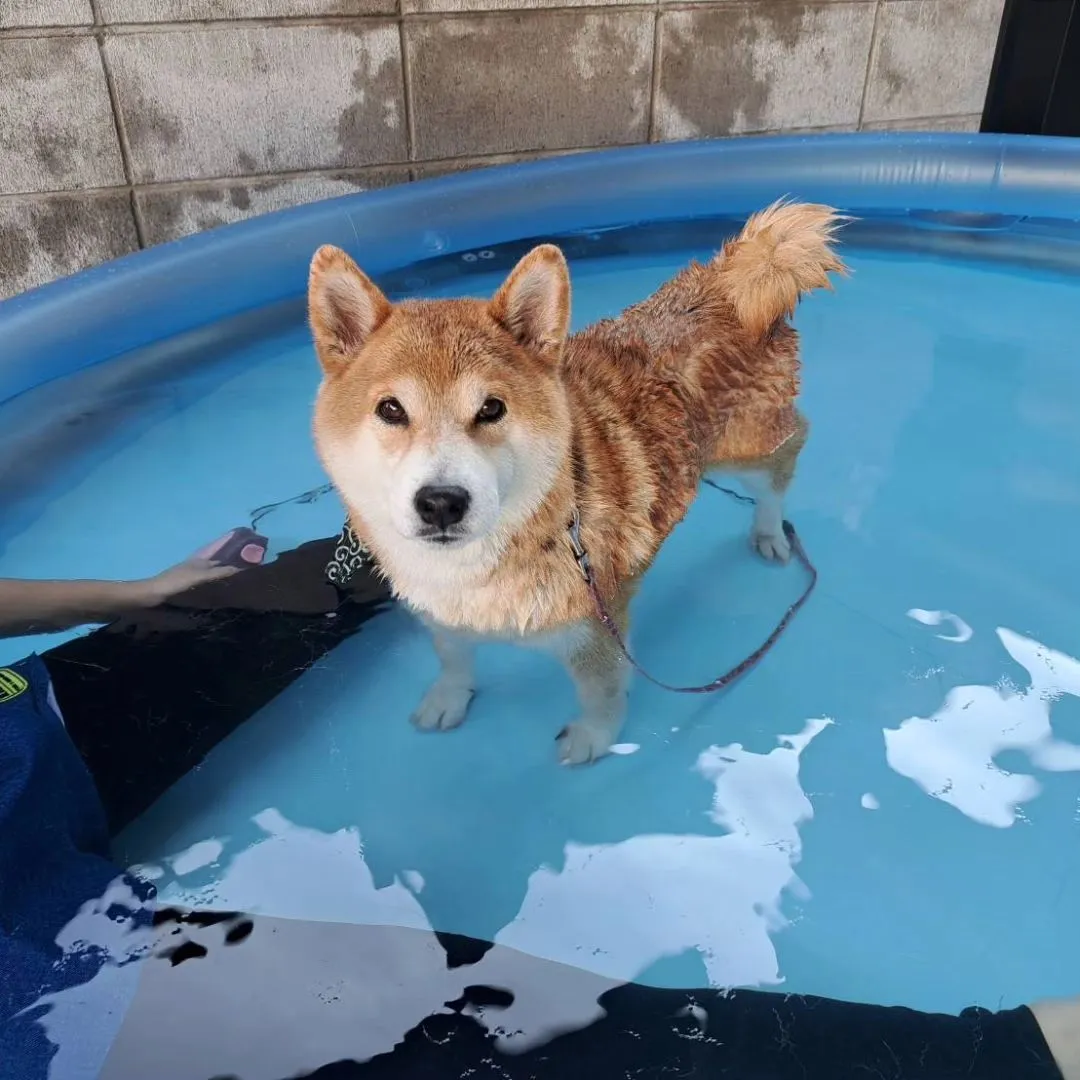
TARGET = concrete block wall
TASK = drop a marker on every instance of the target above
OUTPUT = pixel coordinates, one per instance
(126, 123)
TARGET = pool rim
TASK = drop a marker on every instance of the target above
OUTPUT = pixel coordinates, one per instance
(163, 291)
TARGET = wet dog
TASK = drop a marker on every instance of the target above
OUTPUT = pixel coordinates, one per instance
(466, 436)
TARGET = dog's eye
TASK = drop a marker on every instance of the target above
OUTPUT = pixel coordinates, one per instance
(391, 411)
(492, 411)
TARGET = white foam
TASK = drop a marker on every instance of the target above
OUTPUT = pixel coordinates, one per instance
(961, 633)
(950, 755)
(200, 854)
(635, 902)
(304, 874)
(147, 871)
(82, 1020)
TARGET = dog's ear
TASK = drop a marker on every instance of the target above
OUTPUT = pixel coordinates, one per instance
(534, 301)
(344, 307)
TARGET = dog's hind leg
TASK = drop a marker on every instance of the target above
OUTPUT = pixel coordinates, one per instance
(768, 484)
(767, 532)
(444, 705)
(767, 479)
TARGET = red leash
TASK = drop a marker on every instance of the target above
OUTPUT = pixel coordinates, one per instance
(740, 669)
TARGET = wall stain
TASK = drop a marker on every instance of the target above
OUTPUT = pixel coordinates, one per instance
(16, 252)
(708, 73)
(378, 96)
(889, 72)
(208, 221)
(43, 239)
(36, 59)
(260, 64)
(54, 148)
(161, 216)
(529, 81)
(149, 129)
(46, 137)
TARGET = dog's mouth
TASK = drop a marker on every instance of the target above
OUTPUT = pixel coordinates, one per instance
(442, 539)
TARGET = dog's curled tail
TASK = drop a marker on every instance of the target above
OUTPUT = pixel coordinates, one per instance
(783, 252)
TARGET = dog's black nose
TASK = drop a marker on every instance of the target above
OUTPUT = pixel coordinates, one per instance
(441, 506)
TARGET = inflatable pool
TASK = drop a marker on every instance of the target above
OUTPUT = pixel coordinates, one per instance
(885, 810)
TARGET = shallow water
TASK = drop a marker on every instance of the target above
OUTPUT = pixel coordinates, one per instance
(887, 809)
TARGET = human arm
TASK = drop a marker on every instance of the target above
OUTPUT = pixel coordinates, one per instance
(41, 607)
(1059, 1022)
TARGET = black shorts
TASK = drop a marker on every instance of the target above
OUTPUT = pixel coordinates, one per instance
(146, 698)
(707, 1034)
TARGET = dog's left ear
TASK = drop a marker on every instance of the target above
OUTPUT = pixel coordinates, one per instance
(534, 301)
(344, 307)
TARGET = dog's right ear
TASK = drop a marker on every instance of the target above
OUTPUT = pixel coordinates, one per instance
(344, 307)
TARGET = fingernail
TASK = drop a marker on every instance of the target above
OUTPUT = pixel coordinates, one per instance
(252, 553)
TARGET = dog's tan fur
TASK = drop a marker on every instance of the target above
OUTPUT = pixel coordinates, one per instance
(619, 422)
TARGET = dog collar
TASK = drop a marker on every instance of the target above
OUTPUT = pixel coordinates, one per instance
(581, 556)
(351, 554)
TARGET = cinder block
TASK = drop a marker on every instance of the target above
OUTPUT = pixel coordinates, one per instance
(200, 104)
(150, 11)
(45, 13)
(501, 84)
(498, 5)
(761, 67)
(47, 237)
(932, 58)
(56, 125)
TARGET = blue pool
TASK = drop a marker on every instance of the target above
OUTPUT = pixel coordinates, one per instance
(887, 809)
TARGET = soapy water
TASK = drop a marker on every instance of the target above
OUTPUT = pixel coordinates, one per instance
(730, 840)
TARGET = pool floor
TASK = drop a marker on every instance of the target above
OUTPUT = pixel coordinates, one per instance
(887, 809)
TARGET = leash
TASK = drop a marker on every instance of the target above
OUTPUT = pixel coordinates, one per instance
(350, 555)
(581, 556)
(303, 499)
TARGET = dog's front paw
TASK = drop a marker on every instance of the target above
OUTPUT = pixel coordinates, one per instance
(444, 706)
(771, 546)
(583, 742)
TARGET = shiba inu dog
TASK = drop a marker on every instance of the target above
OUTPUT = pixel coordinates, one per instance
(466, 437)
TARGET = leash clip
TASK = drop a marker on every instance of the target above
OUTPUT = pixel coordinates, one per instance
(581, 556)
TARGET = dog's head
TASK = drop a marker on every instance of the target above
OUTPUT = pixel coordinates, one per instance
(441, 422)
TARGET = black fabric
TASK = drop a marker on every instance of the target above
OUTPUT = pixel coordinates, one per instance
(744, 1035)
(146, 698)
(1032, 88)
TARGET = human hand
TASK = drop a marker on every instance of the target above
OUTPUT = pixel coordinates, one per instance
(223, 558)
(183, 576)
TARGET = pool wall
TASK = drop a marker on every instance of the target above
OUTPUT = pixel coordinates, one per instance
(156, 294)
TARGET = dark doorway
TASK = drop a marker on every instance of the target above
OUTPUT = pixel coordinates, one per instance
(1035, 81)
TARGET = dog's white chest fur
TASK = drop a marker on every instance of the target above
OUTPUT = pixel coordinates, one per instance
(460, 590)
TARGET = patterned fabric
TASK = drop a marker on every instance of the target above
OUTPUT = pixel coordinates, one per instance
(350, 555)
